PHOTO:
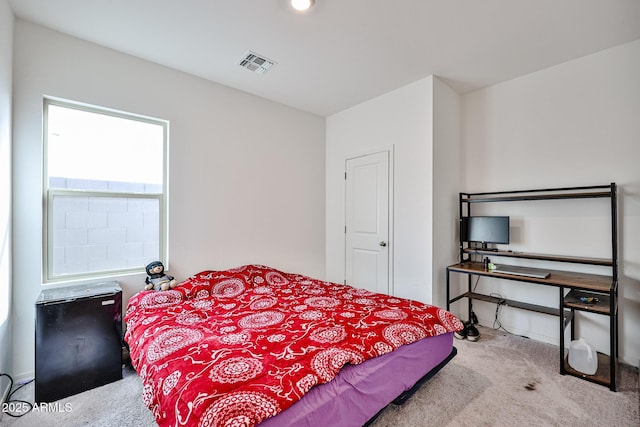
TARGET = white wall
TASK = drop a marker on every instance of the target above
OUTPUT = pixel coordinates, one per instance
(6, 55)
(246, 178)
(447, 183)
(574, 124)
(402, 119)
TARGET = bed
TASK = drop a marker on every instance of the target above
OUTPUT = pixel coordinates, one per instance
(255, 345)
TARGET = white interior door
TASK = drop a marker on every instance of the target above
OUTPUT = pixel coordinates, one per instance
(367, 222)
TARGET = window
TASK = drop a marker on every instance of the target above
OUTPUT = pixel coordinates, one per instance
(105, 179)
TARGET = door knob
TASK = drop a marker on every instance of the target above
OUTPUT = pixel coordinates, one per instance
(383, 243)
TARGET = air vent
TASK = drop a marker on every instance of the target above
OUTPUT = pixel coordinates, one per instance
(256, 62)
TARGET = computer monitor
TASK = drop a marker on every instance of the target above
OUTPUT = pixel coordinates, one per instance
(485, 229)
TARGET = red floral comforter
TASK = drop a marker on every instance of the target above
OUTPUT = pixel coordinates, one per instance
(237, 346)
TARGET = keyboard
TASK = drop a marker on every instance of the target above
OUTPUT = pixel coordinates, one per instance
(521, 271)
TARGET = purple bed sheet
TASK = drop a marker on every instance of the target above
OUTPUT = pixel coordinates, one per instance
(359, 392)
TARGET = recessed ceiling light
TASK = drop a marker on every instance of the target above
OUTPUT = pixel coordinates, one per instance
(302, 5)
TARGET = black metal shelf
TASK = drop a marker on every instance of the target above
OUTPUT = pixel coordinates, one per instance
(572, 285)
(538, 194)
(538, 197)
(606, 262)
(601, 306)
(602, 375)
(552, 311)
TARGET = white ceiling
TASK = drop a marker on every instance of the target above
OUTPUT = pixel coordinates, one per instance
(344, 52)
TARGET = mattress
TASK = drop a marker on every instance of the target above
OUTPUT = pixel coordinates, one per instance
(240, 346)
(359, 392)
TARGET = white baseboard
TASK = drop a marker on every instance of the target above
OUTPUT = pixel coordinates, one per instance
(524, 333)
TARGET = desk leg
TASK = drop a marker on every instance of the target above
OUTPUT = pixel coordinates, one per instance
(561, 306)
(448, 291)
(613, 341)
(573, 324)
(470, 300)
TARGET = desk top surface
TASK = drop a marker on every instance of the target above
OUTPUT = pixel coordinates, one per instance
(569, 279)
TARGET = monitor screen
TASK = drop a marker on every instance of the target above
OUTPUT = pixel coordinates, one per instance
(485, 229)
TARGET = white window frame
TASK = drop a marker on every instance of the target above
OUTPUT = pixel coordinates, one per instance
(49, 194)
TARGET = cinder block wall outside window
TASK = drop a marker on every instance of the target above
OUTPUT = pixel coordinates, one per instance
(97, 234)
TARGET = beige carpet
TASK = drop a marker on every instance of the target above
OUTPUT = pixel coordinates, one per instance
(500, 380)
(504, 380)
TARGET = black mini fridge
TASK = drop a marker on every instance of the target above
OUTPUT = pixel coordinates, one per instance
(78, 339)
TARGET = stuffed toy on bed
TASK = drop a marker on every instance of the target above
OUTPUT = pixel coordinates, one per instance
(157, 279)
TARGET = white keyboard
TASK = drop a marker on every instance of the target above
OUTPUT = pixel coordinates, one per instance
(521, 271)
